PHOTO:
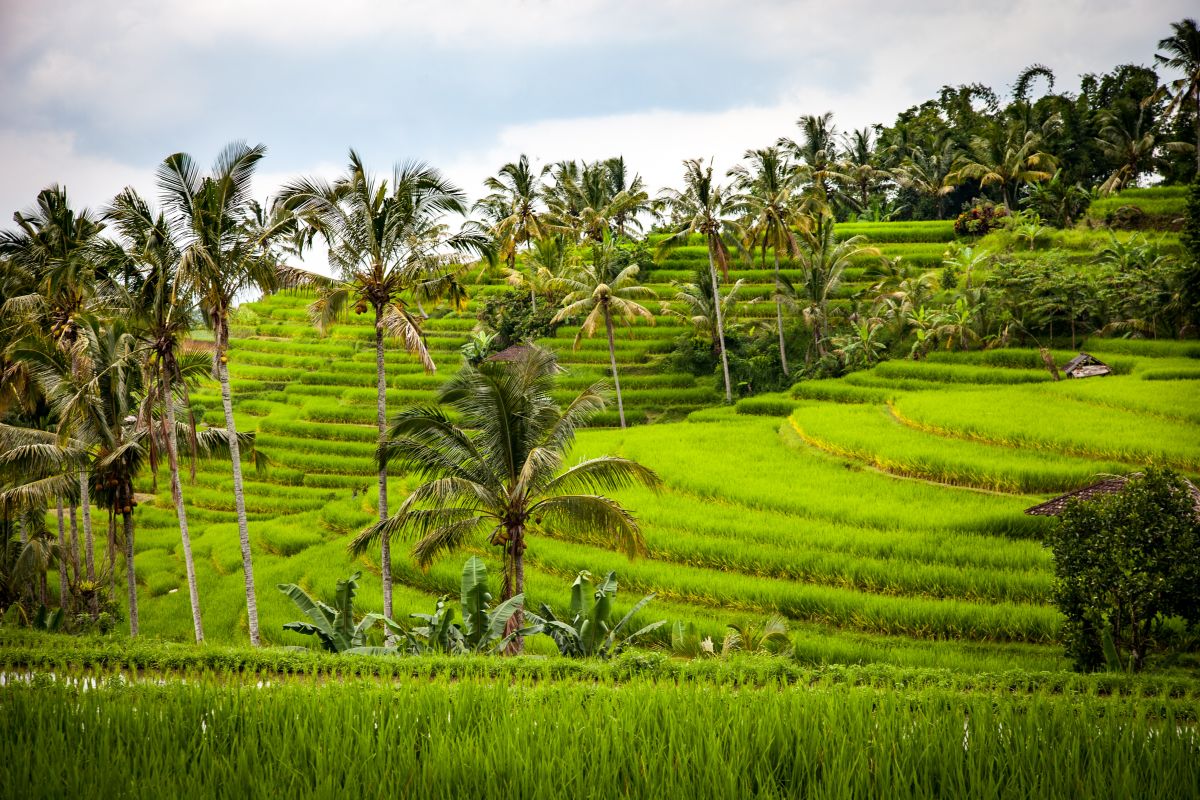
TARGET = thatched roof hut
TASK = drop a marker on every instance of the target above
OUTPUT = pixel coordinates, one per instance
(1055, 507)
(1086, 365)
(516, 352)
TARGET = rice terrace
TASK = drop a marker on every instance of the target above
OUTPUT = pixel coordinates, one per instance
(864, 465)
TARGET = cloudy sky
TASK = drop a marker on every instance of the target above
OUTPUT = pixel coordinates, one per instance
(94, 94)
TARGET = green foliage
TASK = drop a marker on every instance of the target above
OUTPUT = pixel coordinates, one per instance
(590, 630)
(980, 219)
(334, 625)
(1125, 563)
(1008, 735)
(513, 319)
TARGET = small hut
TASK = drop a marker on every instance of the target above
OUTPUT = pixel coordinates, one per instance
(516, 352)
(1055, 507)
(1086, 365)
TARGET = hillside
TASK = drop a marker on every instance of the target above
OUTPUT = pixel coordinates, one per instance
(877, 512)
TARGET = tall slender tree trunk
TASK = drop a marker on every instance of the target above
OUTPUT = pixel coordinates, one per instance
(131, 574)
(85, 502)
(75, 542)
(239, 496)
(180, 509)
(85, 505)
(112, 552)
(712, 274)
(64, 596)
(779, 317)
(514, 584)
(385, 544)
(612, 358)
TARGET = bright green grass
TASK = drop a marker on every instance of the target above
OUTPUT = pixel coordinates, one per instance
(1046, 418)
(871, 434)
(220, 735)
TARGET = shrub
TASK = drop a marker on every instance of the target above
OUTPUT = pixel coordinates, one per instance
(1125, 562)
(980, 219)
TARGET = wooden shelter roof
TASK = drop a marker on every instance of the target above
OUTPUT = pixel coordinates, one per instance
(514, 352)
(1112, 485)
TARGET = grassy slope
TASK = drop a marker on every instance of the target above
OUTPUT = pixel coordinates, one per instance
(760, 514)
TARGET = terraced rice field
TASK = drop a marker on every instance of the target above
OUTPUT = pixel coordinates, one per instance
(880, 513)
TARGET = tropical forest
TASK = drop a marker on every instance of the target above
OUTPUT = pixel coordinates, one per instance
(866, 467)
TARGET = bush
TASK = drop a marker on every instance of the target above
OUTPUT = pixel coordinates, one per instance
(979, 219)
(1124, 563)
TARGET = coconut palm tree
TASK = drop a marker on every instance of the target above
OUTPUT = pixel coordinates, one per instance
(822, 260)
(599, 292)
(815, 156)
(497, 469)
(162, 312)
(1006, 159)
(387, 249)
(773, 214)
(1182, 53)
(55, 251)
(929, 172)
(513, 206)
(589, 201)
(223, 254)
(704, 208)
(700, 308)
(863, 177)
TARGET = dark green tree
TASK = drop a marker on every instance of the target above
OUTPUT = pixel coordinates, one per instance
(1123, 564)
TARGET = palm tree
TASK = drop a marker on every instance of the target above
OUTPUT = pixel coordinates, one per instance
(1129, 144)
(823, 260)
(95, 398)
(704, 208)
(1007, 161)
(591, 201)
(601, 291)
(222, 254)
(815, 156)
(56, 250)
(386, 247)
(162, 311)
(1182, 53)
(498, 469)
(700, 307)
(768, 193)
(929, 172)
(513, 209)
(862, 175)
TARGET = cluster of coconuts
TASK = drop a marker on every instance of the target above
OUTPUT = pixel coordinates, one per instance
(360, 307)
(124, 502)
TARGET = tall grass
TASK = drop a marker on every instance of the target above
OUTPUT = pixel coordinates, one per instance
(215, 737)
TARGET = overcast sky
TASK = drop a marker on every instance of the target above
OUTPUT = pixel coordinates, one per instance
(94, 94)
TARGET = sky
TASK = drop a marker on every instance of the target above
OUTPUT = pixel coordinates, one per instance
(94, 94)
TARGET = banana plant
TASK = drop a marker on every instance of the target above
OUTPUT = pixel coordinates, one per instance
(334, 625)
(590, 631)
(483, 627)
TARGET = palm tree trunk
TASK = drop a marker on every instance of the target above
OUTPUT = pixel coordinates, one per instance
(514, 584)
(112, 553)
(712, 275)
(63, 592)
(85, 504)
(612, 358)
(75, 542)
(385, 544)
(779, 316)
(180, 509)
(131, 574)
(239, 497)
